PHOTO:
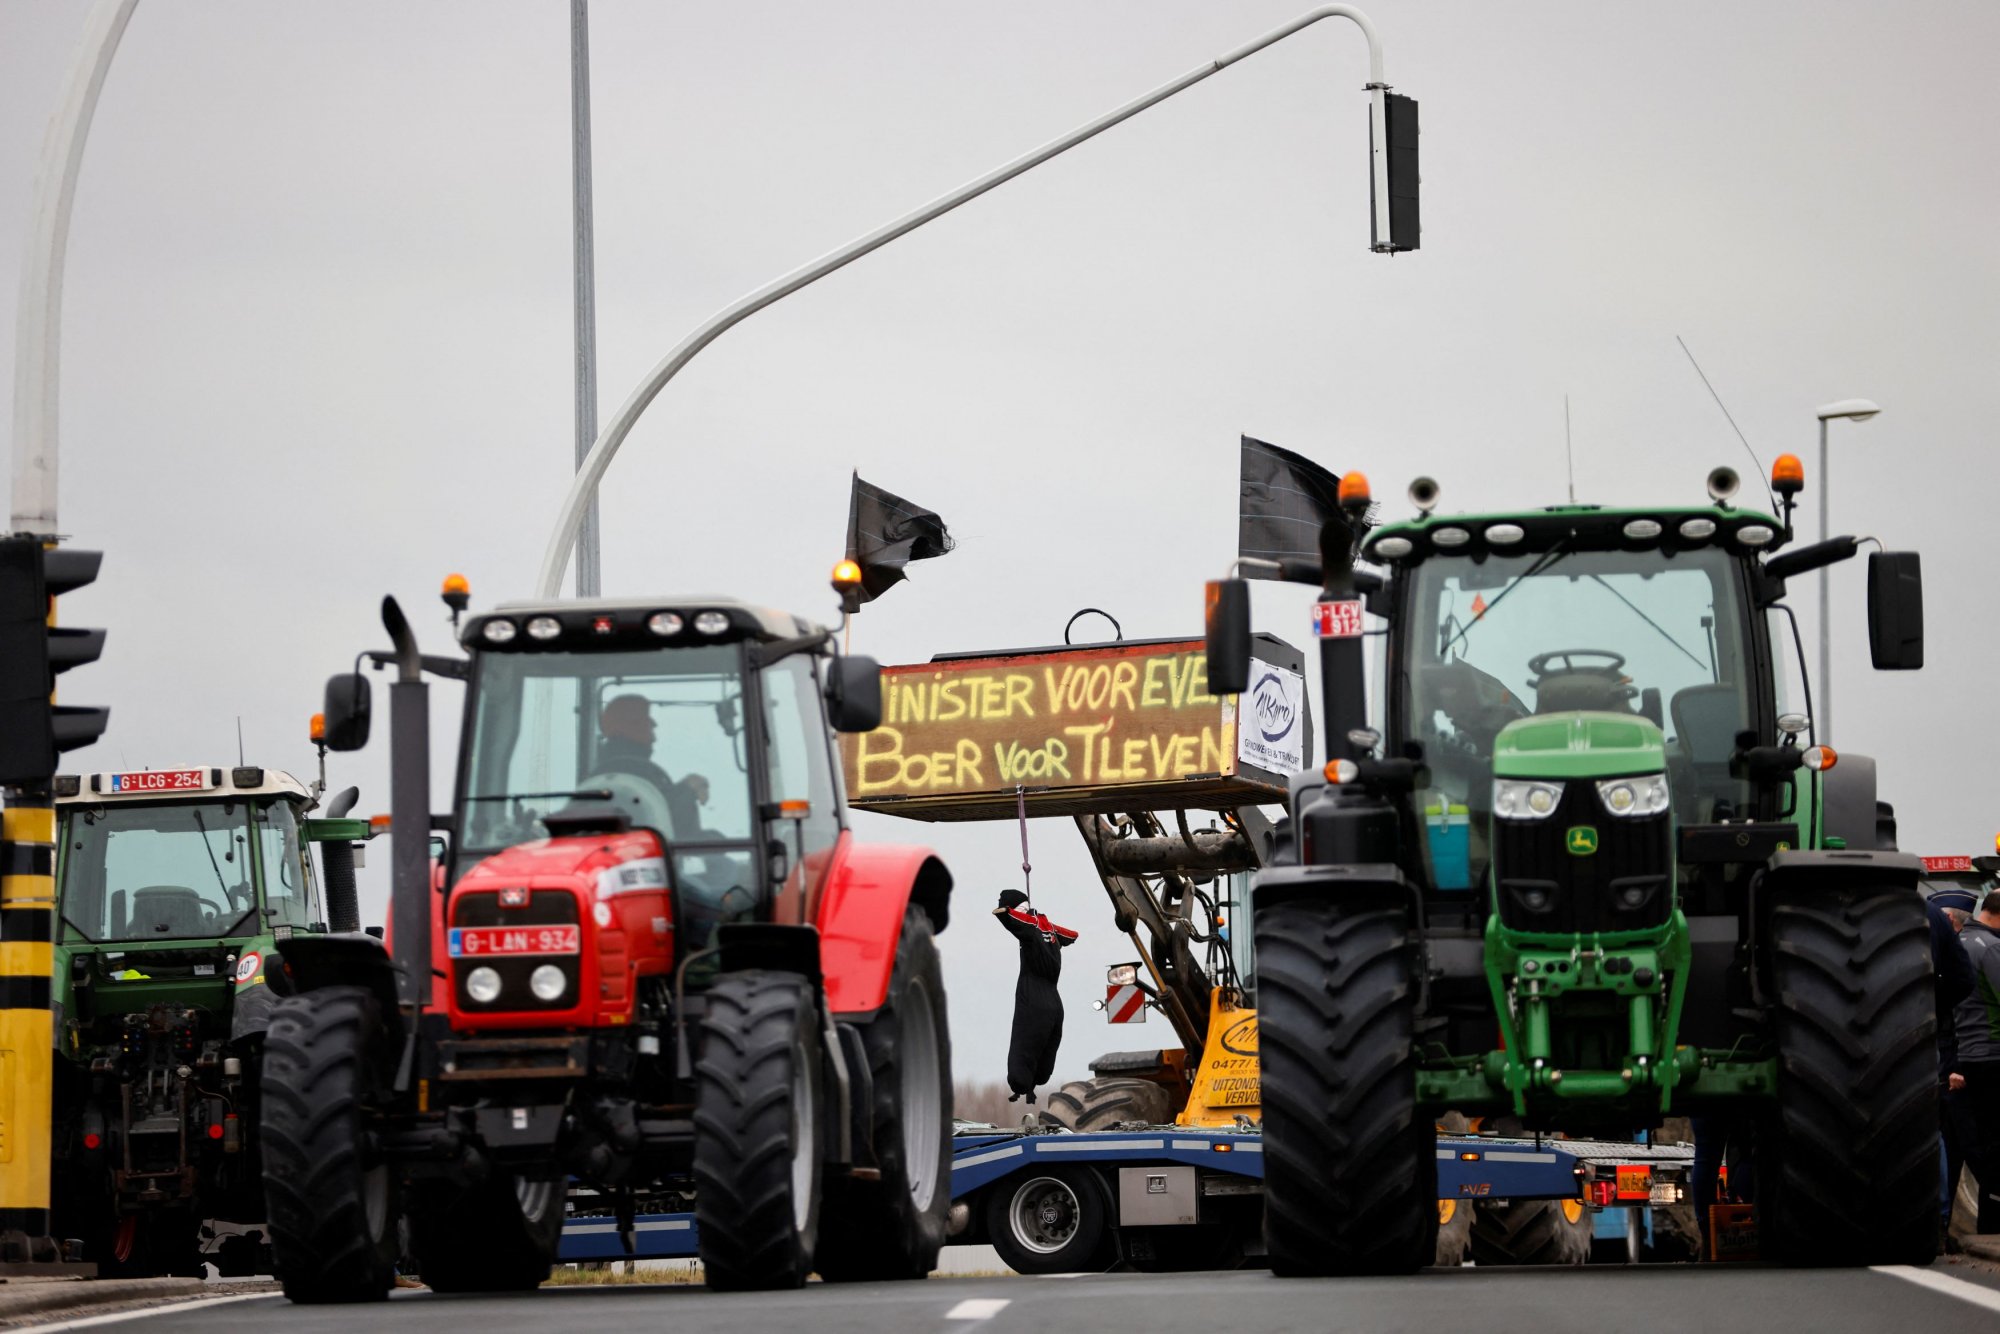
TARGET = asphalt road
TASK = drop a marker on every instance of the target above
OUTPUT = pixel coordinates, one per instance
(1712, 1300)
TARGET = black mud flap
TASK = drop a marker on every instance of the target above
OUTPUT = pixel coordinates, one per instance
(784, 949)
(1284, 884)
(1849, 868)
(314, 961)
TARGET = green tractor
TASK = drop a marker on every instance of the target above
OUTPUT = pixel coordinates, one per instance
(178, 890)
(1587, 865)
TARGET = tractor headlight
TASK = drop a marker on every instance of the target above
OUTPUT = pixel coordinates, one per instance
(1634, 798)
(483, 985)
(1525, 799)
(547, 982)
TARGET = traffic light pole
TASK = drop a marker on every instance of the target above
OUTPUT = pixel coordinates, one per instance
(27, 1029)
(1386, 158)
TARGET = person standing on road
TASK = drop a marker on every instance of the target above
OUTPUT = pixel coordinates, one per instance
(1949, 909)
(1978, 1072)
(1038, 1011)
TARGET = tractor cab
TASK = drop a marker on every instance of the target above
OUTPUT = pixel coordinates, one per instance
(702, 721)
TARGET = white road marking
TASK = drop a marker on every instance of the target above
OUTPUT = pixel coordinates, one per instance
(1972, 1293)
(978, 1308)
(173, 1308)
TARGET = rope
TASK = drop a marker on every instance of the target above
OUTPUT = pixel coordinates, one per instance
(1021, 806)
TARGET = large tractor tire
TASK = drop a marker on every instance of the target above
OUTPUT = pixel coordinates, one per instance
(894, 1227)
(1530, 1232)
(758, 1122)
(1454, 1243)
(1848, 1167)
(1350, 1167)
(1052, 1222)
(1109, 1101)
(333, 1203)
(500, 1235)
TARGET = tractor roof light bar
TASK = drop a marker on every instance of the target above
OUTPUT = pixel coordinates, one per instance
(583, 489)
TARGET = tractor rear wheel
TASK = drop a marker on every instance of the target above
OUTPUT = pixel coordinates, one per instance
(332, 1201)
(894, 1227)
(1530, 1232)
(1107, 1102)
(1350, 1179)
(500, 1235)
(1848, 1167)
(757, 1123)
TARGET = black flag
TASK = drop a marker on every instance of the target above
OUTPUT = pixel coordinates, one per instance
(886, 532)
(1286, 498)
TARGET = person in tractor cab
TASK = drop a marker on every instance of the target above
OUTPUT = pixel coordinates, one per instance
(1978, 1071)
(629, 735)
(1038, 1011)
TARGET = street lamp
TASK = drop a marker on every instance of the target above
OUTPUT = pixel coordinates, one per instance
(1852, 409)
(1392, 139)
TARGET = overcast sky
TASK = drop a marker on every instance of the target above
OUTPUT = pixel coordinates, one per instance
(317, 329)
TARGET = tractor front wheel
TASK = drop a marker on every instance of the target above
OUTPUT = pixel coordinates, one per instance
(757, 1123)
(1350, 1177)
(332, 1201)
(893, 1228)
(500, 1235)
(1848, 1168)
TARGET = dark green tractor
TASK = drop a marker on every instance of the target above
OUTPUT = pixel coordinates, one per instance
(179, 892)
(1586, 864)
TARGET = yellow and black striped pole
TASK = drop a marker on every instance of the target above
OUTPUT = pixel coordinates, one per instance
(27, 1031)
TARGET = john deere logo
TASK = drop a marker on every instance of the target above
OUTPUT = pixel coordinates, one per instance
(1582, 840)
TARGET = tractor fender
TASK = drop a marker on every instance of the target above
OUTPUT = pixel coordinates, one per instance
(1848, 805)
(867, 890)
(250, 1011)
(1831, 871)
(1283, 884)
(312, 962)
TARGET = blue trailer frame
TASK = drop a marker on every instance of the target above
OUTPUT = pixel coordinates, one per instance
(1469, 1168)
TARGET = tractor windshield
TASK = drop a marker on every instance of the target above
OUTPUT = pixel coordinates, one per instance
(1487, 641)
(156, 871)
(657, 733)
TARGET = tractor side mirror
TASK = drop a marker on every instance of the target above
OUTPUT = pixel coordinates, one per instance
(1896, 610)
(1228, 621)
(854, 694)
(347, 711)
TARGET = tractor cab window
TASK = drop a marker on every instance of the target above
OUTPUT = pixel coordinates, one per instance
(801, 762)
(290, 897)
(660, 734)
(1488, 641)
(156, 871)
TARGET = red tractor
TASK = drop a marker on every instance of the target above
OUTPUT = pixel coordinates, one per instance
(641, 963)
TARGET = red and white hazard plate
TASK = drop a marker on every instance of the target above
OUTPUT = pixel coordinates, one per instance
(1947, 865)
(480, 942)
(161, 780)
(1125, 1005)
(1337, 620)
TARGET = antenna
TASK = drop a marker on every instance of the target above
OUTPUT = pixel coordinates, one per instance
(1569, 451)
(1732, 421)
(239, 740)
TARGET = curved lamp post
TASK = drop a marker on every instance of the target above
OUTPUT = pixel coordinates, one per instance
(1849, 409)
(583, 490)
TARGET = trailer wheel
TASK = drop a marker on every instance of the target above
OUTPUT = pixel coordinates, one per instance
(500, 1235)
(1109, 1101)
(757, 1122)
(1047, 1222)
(1848, 1174)
(893, 1228)
(332, 1200)
(1350, 1180)
(1531, 1232)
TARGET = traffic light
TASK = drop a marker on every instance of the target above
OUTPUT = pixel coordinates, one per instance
(33, 652)
(1400, 139)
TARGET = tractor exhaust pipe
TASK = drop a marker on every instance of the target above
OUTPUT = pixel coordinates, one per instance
(409, 812)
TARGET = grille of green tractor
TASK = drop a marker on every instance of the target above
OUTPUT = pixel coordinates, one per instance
(1581, 870)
